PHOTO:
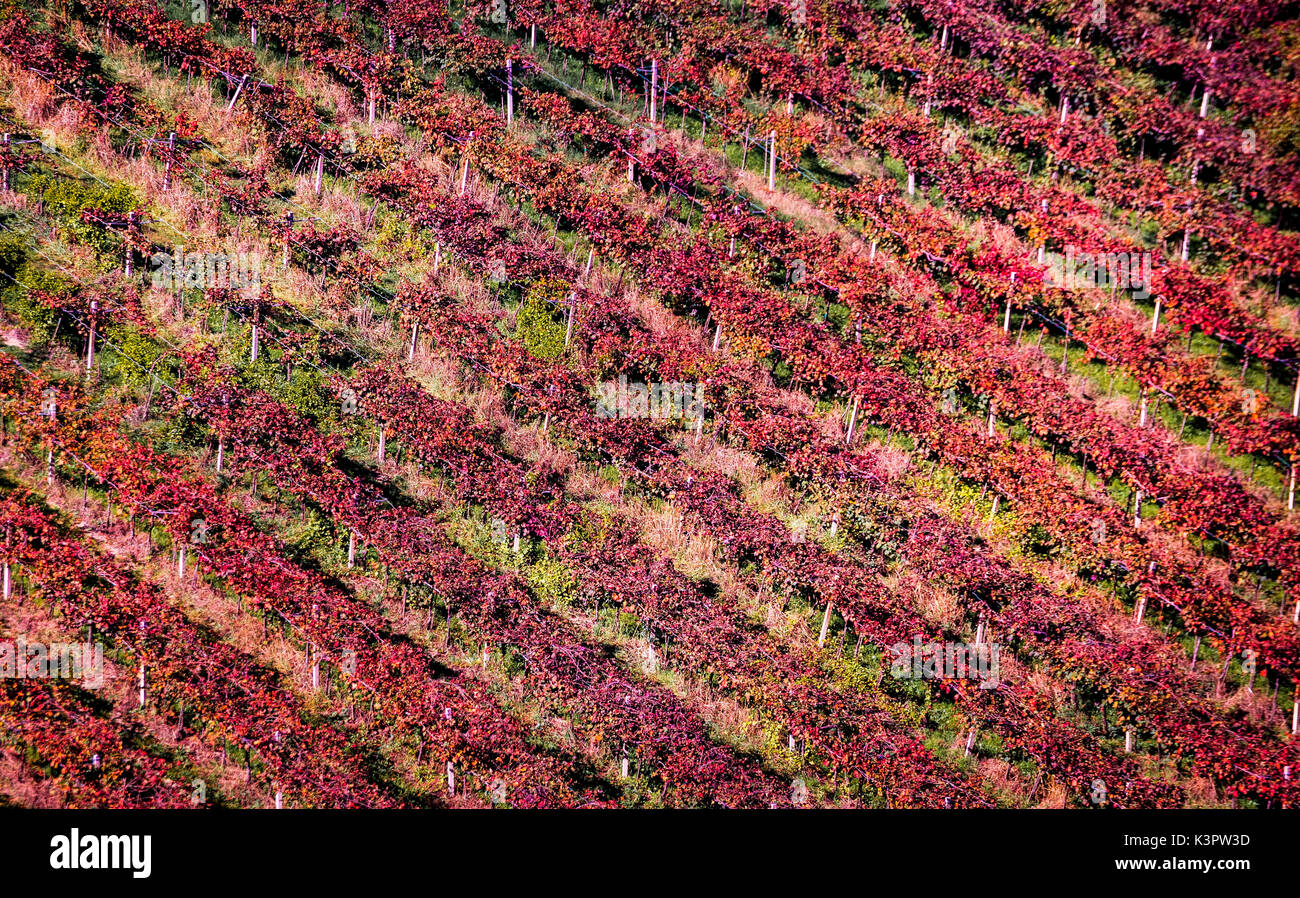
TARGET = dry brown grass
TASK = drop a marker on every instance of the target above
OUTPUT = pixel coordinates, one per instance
(785, 203)
(891, 461)
(934, 603)
(1201, 793)
(1055, 797)
(771, 493)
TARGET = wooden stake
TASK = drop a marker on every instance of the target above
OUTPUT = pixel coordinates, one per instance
(771, 172)
(90, 345)
(242, 82)
(510, 92)
(853, 419)
(654, 87)
(826, 622)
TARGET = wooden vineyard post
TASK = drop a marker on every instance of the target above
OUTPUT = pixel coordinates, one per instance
(379, 451)
(415, 333)
(826, 622)
(142, 686)
(352, 549)
(167, 165)
(90, 343)
(238, 90)
(853, 419)
(654, 87)
(1155, 317)
(771, 163)
(510, 92)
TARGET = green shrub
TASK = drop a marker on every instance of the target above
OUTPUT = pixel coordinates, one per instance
(34, 314)
(552, 582)
(65, 200)
(138, 351)
(543, 336)
(13, 252)
(305, 390)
